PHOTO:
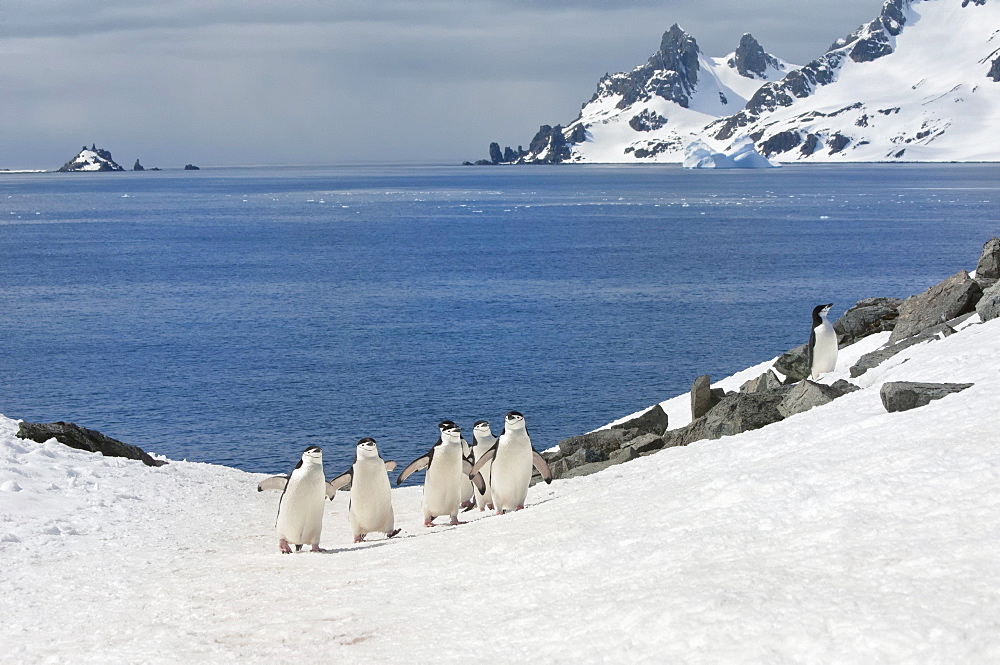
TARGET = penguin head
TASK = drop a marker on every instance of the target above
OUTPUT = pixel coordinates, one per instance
(822, 310)
(450, 432)
(313, 455)
(367, 448)
(482, 428)
(513, 420)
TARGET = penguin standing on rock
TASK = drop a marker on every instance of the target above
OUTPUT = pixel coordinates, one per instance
(512, 458)
(300, 509)
(447, 471)
(482, 440)
(370, 508)
(822, 350)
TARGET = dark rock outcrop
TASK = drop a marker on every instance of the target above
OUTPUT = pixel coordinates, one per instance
(750, 59)
(906, 395)
(765, 383)
(191, 167)
(953, 297)
(794, 364)
(137, 166)
(651, 421)
(989, 261)
(82, 438)
(806, 394)
(879, 356)
(988, 306)
(867, 317)
(703, 396)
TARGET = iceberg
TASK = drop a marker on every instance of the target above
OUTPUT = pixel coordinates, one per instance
(743, 155)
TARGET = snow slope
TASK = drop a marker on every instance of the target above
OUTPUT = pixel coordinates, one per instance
(928, 100)
(844, 534)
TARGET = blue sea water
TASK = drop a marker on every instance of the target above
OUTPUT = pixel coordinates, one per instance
(236, 316)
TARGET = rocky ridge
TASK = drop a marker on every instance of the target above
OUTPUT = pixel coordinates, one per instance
(783, 389)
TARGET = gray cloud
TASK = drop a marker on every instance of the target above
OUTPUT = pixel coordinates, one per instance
(303, 81)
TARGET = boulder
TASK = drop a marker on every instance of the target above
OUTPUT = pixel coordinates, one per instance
(644, 444)
(880, 355)
(989, 262)
(598, 445)
(737, 412)
(988, 306)
(765, 383)
(953, 297)
(703, 396)
(587, 469)
(81, 438)
(794, 364)
(867, 317)
(807, 394)
(651, 421)
(626, 454)
(906, 395)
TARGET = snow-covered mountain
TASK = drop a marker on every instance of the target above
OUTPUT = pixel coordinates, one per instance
(92, 159)
(920, 82)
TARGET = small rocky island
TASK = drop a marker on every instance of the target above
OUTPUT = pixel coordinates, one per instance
(91, 159)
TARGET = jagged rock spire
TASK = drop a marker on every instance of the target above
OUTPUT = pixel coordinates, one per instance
(750, 59)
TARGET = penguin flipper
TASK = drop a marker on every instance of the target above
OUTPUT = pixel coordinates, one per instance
(390, 465)
(338, 482)
(480, 483)
(487, 456)
(543, 468)
(413, 467)
(809, 349)
(272, 483)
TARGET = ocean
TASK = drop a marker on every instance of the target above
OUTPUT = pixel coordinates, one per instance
(238, 315)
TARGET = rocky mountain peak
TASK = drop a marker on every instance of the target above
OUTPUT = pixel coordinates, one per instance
(750, 59)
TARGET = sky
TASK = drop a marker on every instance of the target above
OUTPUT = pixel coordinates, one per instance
(235, 82)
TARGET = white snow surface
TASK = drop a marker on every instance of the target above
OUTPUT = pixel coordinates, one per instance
(843, 534)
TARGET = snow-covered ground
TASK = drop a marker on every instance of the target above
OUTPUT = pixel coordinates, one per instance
(844, 534)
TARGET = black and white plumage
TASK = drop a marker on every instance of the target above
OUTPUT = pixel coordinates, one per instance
(300, 509)
(447, 469)
(511, 459)
(822, 348)
(370, 508)
(482, 440)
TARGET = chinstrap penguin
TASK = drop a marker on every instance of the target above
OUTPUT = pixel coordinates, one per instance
(370, 507)
(447, 469)
(300, 509)
(482, 440)
(822, 350)
(512, 458)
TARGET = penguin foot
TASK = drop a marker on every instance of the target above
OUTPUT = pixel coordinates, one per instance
(283, 546)
(392, 533)
(429, 522)
(521, 507)
(466, 505)
(455, 521)
(360, 539)
(490, 506)
(317, 548)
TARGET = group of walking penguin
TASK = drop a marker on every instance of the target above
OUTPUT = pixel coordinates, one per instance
(492, 472)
